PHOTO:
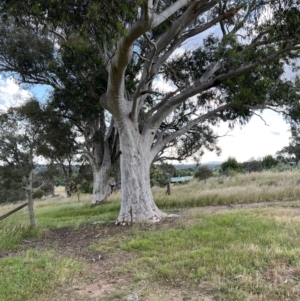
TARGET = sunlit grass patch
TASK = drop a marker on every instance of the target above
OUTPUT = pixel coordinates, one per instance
(33, 274)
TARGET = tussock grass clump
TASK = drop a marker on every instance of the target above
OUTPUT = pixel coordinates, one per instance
(34, 275)
(12, 233)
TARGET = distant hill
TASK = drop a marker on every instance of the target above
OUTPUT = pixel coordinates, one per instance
(43, 167)
(211, 165)
(185, 166)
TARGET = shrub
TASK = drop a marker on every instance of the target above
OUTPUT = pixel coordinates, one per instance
(268, 162)
(157, 176)
(231, 164)
(203, 173)
(38, 194)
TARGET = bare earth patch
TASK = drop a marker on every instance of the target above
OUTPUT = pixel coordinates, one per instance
(75, 242)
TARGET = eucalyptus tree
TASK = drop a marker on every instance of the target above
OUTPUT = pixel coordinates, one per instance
(53, 52)
(291, 152)
(58, 144)
(220, 60)
(96, 138)
(19, 136)
(79, 77)
(11, 185)
(207, 73)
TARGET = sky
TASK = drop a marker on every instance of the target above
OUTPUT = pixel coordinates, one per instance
(254, 140)
(11, 94)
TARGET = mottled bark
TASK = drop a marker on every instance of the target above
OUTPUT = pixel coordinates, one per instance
(137, 203)
(101, 185)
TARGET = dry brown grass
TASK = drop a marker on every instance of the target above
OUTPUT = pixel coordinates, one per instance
(242, 188)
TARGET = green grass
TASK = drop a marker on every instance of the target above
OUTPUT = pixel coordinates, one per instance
(231, 252)
(34, 275)
(49, 214)
(11, 234)
(236, 255)
(248, 188)
(76, 214)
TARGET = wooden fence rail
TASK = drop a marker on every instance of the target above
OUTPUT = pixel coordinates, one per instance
(13, 211)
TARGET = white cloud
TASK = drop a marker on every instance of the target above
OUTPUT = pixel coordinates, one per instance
(254, 140)
(179, 52)
(11, 94)
(163, 86)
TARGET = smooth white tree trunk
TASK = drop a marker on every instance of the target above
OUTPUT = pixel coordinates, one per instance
(137, 203)
(101, 185)
(102, 167)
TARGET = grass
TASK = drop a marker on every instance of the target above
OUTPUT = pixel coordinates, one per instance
(52, 214)
(11, 235)
(76, 214)
(248, 188)
(231, 255)
(242, 188)
(34, 275)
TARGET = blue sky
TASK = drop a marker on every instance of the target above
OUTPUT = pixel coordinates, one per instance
(254, 140)
(40, 92)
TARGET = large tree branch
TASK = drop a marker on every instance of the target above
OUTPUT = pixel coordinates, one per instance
(178, 25)
(183, 22)
(163, 109)
(195, 32)
(148, 67)
(177, 43)
(160, 143)
(149, 20)
(161, 17)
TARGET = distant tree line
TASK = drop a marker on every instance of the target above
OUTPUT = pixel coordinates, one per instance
(231, 166)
